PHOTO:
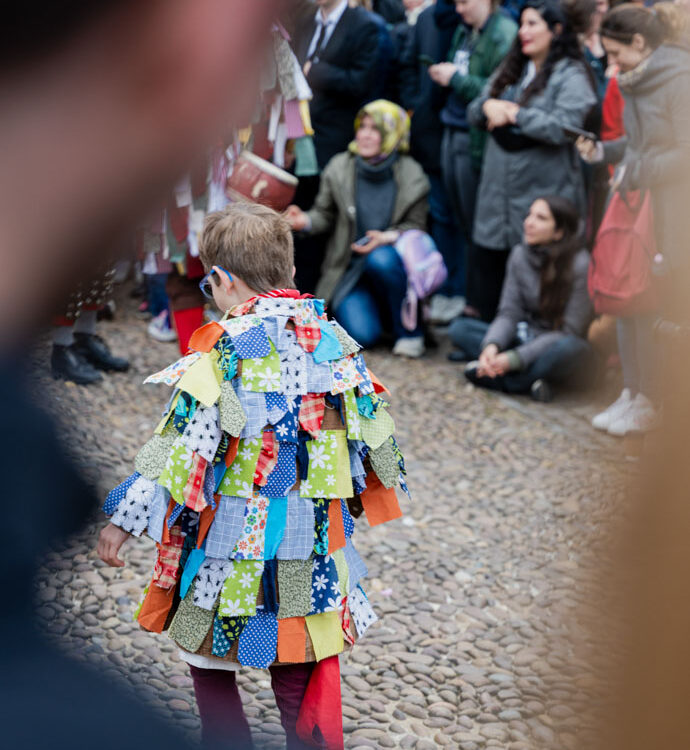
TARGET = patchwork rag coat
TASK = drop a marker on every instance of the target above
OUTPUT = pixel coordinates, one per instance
(276, 437)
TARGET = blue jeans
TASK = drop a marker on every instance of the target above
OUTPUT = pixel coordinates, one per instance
(447, 237)
(156, 296)
(373, 306)
(569, 360)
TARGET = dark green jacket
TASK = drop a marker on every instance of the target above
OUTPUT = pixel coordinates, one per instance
(492, 46)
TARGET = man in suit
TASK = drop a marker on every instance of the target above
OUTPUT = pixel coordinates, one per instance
(337, 48)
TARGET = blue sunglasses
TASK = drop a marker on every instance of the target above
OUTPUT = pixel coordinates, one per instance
(205, 283)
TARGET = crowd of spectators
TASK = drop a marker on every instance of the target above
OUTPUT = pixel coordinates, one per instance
(500, 129)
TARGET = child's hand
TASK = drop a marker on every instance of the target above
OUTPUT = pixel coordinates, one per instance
(110, 540)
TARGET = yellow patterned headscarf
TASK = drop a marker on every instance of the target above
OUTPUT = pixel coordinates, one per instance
(392, 122)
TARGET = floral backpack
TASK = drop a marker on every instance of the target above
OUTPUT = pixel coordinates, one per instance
(425, 269)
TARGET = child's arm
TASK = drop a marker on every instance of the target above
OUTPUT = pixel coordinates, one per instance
(110, 540)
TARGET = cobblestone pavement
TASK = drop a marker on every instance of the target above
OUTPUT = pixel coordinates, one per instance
(481, 587)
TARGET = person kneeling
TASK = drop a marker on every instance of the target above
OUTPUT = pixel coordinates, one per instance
(538, 336)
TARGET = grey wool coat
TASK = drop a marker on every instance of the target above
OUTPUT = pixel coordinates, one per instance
(656, 147)
(520, 302)
(334, 211)
(512, 180)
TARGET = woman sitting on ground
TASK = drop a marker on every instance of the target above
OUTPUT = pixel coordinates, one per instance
(538, 336)
(368, 196)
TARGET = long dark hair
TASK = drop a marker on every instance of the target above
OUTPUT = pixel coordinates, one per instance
(573, 18)
(557, 267)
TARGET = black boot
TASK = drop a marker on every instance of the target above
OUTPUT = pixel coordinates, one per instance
(95, 351)
(68, 365)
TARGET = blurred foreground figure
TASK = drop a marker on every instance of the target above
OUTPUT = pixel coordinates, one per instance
(104, 104)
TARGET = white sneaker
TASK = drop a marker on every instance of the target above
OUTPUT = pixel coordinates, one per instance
(159, 328)
(445, 309)
(604, 419)
(412, 347)
(640, 416)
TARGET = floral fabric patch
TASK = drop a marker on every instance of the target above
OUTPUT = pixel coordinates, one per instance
(203, 432)
(240, 589)
(250, 545)
(262, 374)
(239, 477)
(176, 472)
(325, 589)
(344, 375)
(172, 373)
(209, 581)
(329, 466)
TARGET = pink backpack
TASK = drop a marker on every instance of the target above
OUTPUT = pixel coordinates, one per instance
(425, 269)
(620, 280)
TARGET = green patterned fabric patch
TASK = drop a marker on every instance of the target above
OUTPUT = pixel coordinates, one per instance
(377, 430)
(329, 466)
(241, 588)
(294, 588)
(238, 479)
(232, 416)
(190, 624)
(176, 473)
(153, 456)
(262, 374)
(385, 464)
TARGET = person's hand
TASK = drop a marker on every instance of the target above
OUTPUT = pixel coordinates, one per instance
(110, 540)
(500, 113)
(487, 361)
(295, 217)
(590, 151)
(376, 239)
(306, 68)
(441, 73)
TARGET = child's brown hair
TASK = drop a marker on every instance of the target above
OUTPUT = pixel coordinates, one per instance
(252, 241)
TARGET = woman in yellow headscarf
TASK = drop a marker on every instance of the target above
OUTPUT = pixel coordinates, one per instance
(367, 197)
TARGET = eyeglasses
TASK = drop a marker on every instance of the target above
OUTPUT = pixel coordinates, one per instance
(206, 283)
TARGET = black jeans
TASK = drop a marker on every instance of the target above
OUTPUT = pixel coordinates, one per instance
(490, 270)
(569, 360)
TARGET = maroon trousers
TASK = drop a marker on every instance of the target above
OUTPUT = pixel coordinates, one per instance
(223, 723)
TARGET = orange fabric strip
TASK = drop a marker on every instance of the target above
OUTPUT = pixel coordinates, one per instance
(292, 640)
(205, 338)
(205, 521)
(336, 530)
(155, 608)
(378, 385)
(379, 503)
(233, 447)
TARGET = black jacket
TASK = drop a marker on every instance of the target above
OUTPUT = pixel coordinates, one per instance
(416, 89)
(342, 80)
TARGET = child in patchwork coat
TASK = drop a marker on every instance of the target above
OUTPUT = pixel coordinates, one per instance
(276, 437)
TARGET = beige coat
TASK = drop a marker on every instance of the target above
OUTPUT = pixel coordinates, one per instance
(334, 212)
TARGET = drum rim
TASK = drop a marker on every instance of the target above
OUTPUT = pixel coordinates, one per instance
(270, 168)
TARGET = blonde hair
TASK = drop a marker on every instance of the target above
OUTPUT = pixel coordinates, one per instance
(251, 241)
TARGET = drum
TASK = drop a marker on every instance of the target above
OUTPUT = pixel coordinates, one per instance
(261, 181)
